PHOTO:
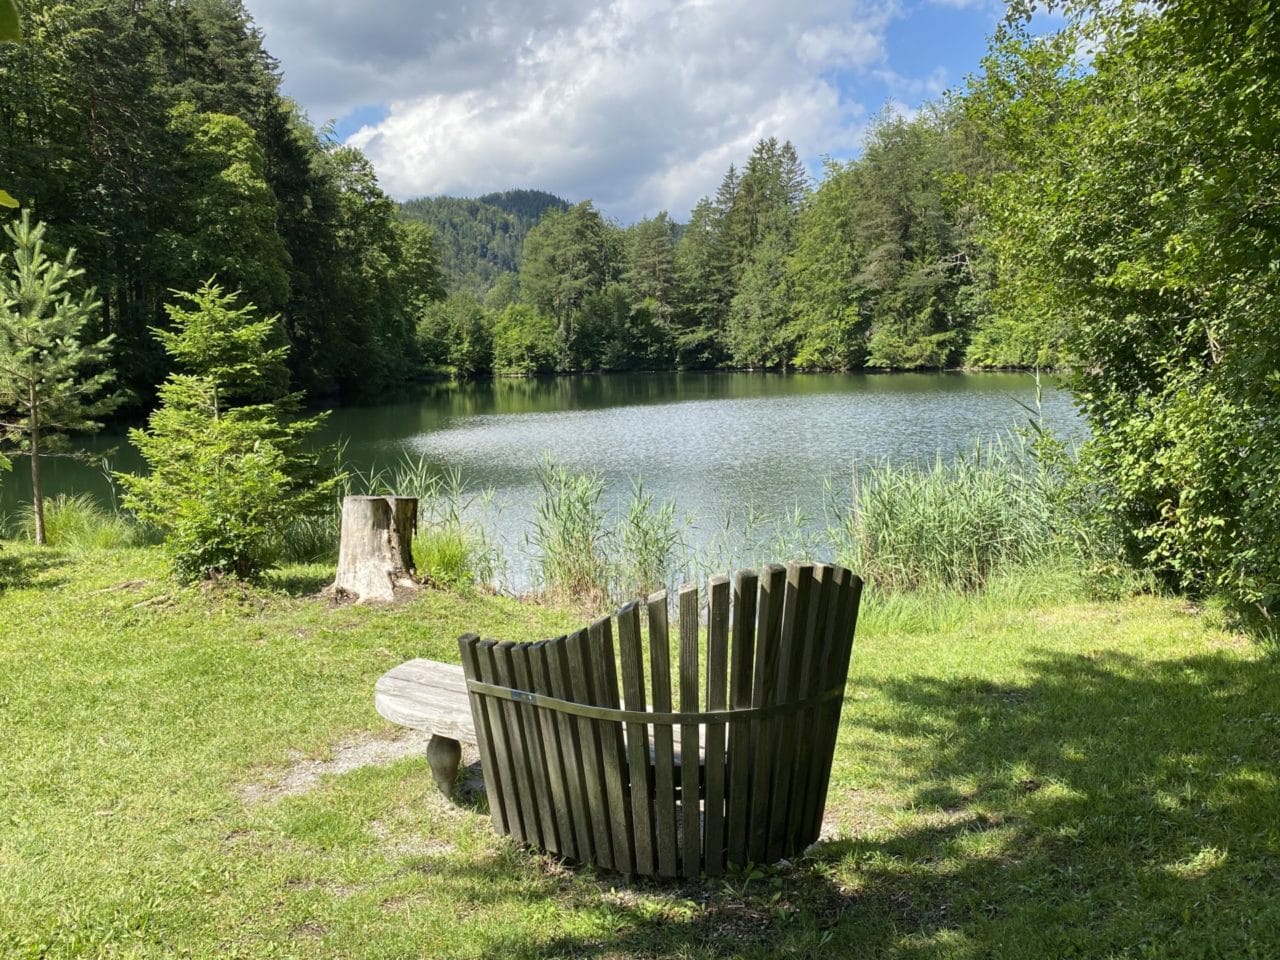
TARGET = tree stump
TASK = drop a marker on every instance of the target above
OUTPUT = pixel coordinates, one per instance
(375, 552)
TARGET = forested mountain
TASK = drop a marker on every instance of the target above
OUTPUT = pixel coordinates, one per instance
(877, 265)
(481, 239)
(152, 136)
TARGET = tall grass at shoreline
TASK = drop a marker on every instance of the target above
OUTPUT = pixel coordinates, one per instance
(949, 524)
(78, 523)
(924, 527)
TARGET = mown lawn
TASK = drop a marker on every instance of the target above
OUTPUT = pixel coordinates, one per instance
(1021, 775)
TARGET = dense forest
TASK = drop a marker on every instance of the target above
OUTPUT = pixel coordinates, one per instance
(151, 135)
(480, 240)
(879, 264)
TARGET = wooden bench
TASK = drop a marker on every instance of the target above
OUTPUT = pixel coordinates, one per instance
(569, 769)
(431, 696)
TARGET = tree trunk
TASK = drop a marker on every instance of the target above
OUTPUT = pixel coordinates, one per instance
(375, 553)
(37, 495)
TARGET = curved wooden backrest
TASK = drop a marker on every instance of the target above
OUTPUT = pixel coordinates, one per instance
(617, 776)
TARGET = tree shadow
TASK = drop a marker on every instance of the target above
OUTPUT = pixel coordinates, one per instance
(300, 581)
(29, 569)
(1106, 806)
(1109, 803)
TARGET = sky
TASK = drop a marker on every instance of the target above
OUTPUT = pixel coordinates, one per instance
(639, 105)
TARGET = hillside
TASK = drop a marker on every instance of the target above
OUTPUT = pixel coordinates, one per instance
(480, 239)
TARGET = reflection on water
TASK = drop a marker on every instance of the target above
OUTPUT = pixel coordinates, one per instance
(717, 443)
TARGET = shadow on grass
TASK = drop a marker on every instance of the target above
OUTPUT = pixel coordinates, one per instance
(301, 581)
(1108, 806)
(27, 569)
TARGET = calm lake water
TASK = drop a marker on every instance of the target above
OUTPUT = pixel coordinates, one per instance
(721, 445)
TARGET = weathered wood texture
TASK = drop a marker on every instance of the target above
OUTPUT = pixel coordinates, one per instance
(375, 547)
(582, 749)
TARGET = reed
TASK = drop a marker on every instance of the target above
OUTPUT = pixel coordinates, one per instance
(646, 546)
(569, 536)
(949, 524)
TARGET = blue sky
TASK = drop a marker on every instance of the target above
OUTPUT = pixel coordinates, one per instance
(639, 105)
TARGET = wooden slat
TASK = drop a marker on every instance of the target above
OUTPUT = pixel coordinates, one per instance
(538, 760)
(764, 739)
(518, 741)
(691, 829)
(579, 664)
(631, 652)
(812, 683)
(543, 757)
(555, 672)
(664, 799)
(717, 699)
(604, 683)
(745, 586)
(795, 621)
(484, 738)
(502, 747)
(841, 626)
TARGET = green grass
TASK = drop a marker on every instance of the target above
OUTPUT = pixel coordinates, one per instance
(1021, 773)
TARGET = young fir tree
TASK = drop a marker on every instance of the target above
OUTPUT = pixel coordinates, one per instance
(44, 387)
(226, 450)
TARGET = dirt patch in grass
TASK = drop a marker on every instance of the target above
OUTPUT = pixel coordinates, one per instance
(363, 751)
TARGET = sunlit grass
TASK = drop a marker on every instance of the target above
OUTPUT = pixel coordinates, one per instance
(1022, 772)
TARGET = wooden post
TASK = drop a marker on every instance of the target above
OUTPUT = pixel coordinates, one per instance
(375, 552)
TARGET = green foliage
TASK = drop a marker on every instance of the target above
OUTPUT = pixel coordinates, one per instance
(227, 221)
(10, 30)
(226, 345)
(568, 257)
(458, 333)
(523, 341)
(481, 240)
(51, 381)
(10, 26)
(81, 525)
(153, 137)
(225, 480)
(884, 266)
(1133, 207)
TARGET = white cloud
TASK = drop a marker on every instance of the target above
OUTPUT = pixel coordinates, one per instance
(637, 104)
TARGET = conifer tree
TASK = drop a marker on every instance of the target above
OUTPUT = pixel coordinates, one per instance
(229, 467)
(48, 386)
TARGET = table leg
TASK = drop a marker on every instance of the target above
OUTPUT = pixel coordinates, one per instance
(444, 755)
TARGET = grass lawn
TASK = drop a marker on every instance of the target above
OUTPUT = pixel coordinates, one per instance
(1019, 775)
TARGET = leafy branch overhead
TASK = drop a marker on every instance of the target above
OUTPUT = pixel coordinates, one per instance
(10, 30)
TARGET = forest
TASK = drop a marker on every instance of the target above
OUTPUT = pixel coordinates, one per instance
(1101, 199)
(152, 137)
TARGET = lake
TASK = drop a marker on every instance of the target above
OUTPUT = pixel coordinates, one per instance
(721, 445)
